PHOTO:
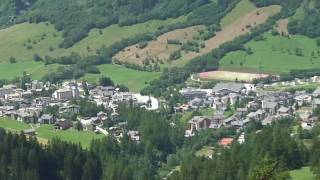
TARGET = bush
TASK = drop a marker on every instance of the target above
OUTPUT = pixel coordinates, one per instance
(175, 55)
(37, 57)
(12, 60)
(143, 44)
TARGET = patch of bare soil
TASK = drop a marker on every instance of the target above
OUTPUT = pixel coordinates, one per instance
(158, 48)
(282, 26)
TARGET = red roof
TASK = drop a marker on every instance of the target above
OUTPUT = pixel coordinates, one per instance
(225, 141)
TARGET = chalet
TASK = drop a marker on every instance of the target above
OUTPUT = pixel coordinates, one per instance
(29, 132)
(233, 97)
(257, 115)
(102, 116)
(25, 117)
(6, 90)
(183, 108)
(284, 110)
(134, 135)
(302, 98)
(66, 93)
(227, 88)
(75, 109)
(316, 103)
(241, 111)
(63, 124)
(189, 95)
(196, 102)
(270, 107)
(316, 92)
(46, 119)
(197, 123)
(88, 124)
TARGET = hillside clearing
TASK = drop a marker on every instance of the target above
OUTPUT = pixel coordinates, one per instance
(237, 28)
(160, 50)
(274, 55)
(134, 79)
(47, 132)
(242, 8)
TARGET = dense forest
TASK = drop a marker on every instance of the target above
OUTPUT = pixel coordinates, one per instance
(268, 152)
(309, 25)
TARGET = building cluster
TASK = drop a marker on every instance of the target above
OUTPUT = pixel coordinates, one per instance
(236, 104)
(33, 104)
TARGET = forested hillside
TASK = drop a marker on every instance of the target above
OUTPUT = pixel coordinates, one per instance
(76, 17)
(309, 25)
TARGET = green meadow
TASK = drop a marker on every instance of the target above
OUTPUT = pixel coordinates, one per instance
(302, 174)
(241, 9)
(275, 54)
(83, 137)
(47, 132)
(22, 41)
(134, 79)
(36, 69)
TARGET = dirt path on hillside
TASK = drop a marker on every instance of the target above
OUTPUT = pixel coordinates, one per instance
(236, 29)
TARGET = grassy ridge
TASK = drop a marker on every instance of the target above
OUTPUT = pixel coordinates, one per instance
(276, 54)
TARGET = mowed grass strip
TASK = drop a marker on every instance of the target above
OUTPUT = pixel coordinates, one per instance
(274, 55)
(134, 79)
(12, 125)
(79, 137)
(47, 132)
(241, 9)
(302, 174)
(36, 69)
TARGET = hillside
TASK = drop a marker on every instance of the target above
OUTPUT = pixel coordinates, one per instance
(238, 22)
(174, 40)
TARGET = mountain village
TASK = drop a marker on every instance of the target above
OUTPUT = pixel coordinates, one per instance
(233, 104)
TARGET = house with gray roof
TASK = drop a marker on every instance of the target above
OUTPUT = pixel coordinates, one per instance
(316, 103)
(270, 107)
(316, 92)
(46, 119)
(227, 88)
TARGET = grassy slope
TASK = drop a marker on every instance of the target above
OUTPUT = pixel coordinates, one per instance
(35, 69)
(302, 174)
(47, 132)
(134, 79)
(82, 137)
(115, 33)
(273, 55)
(14, 42)
(15, 39)
(242, 8)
